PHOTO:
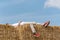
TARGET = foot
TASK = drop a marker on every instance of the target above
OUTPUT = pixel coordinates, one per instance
(46, 23)
(36, 34)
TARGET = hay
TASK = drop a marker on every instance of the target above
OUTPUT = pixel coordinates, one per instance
(8, 32)
(49, 33)
(23, 32)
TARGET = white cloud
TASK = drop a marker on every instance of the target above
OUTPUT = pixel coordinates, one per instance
(52, 3)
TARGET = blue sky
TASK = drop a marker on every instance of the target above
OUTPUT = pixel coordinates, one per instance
(12, 11)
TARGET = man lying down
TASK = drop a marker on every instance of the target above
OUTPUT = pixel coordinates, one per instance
(35, 34)
(22, 23)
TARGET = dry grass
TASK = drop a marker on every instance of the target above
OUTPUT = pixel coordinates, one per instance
(23, 32)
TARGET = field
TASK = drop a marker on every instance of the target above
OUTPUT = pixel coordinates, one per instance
(23, 32)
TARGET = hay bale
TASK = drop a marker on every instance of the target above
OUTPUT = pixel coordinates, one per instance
(8, 32)
(23, 32)
(49, 33)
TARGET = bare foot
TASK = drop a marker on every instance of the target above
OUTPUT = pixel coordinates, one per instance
(36, 35)
(46, 23)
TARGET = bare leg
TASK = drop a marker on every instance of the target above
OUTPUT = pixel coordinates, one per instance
(34, 31)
